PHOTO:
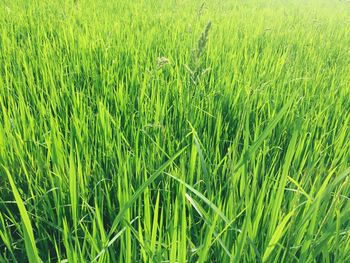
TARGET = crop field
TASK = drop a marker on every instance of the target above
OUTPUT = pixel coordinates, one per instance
(174, 131)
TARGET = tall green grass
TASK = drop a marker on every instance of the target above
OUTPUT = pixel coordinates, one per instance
(174, 131)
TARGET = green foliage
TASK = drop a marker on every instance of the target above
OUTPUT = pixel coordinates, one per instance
(174, 131)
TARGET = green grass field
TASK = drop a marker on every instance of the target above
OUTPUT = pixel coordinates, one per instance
(174, 131)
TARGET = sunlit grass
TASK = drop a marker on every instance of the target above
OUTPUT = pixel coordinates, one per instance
(174, 131)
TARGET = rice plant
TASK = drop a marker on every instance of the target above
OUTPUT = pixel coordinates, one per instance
(174, 131)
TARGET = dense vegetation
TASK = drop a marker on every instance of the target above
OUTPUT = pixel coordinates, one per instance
(174, 131)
